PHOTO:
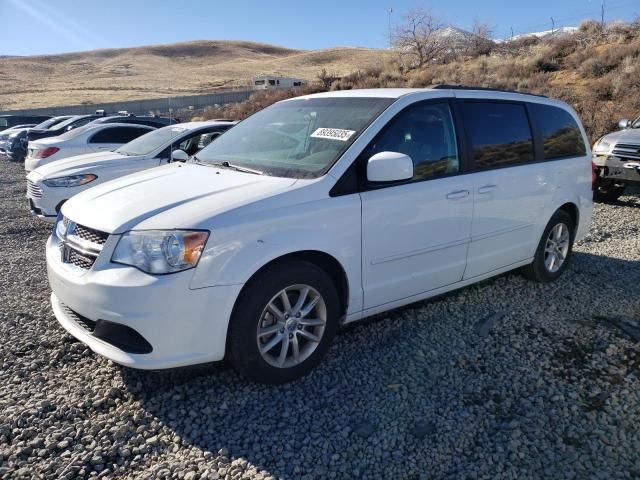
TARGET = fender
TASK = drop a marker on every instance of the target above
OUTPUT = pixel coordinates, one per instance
(580, 170)
(235, 252)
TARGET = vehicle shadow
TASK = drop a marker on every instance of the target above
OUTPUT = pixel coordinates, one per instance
(388, 391)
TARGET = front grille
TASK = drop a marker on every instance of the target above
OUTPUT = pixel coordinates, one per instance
(80, 260)
(33, 189)
(91, 235)
(81, 321)
(626, 150)
(80, 245)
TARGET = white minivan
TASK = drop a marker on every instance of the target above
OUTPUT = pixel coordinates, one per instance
(314, 212)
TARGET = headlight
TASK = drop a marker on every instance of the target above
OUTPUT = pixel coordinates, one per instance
(601, 146)
(70, 181)
(159, 251)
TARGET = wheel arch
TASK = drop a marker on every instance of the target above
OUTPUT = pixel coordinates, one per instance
(574, 212)
(326, 262)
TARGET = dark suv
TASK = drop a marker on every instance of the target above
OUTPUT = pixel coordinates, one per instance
(69, 124)
(148, 120)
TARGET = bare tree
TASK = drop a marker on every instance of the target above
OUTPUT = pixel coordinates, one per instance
(326, 79)
(481, 42)
(418, 39)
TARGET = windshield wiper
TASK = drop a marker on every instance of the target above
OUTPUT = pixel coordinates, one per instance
(238, 168)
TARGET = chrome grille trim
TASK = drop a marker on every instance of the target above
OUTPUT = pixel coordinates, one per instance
(626, 150)
(80, 245)
(33, 189)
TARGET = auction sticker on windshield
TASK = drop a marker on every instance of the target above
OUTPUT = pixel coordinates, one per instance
(333, 134)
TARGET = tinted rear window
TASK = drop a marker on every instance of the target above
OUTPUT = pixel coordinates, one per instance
(561, 135)
(499, 133)
(118, 135)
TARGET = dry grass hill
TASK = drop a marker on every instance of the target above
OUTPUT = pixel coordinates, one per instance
(146, 72)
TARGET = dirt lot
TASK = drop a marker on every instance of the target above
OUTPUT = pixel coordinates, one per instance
(504, 379)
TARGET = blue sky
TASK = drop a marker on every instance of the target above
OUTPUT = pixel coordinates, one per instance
(31, 27)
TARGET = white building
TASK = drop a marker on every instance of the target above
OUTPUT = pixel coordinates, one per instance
(261, 82)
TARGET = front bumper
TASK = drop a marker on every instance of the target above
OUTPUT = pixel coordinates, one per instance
(616, 168)
(183, 326)
(44, 201)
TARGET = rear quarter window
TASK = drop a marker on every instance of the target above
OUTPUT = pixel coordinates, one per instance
(499, 133)
(561, 135)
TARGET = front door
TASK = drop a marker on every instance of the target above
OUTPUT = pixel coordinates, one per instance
(415, 234)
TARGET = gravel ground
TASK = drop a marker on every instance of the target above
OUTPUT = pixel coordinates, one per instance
(504, 379)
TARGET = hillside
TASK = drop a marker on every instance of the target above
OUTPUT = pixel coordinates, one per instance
(594, 69)
(154, 71)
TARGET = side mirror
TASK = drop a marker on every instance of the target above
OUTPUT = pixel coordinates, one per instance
(179, 156)
(624, 123)
(389, 167)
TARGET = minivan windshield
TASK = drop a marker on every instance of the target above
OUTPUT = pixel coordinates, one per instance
(151, 141)
(299, 138)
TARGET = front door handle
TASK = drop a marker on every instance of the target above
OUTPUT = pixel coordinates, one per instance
(487, 189)
(458, 194)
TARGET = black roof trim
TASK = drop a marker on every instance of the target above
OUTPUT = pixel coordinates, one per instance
(484, 89)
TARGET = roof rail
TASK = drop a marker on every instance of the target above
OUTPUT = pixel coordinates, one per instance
(486, 89)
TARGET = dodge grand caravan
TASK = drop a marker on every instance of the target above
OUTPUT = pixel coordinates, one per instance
(317, 211)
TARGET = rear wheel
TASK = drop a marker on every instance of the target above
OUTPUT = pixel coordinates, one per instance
(554, 250)
(283, 323)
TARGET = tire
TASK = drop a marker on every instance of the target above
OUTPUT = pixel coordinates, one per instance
(540, 269)
(252, 314)
(607, 191)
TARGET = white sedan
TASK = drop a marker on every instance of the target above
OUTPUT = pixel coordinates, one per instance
(49, 186)
(87, 139)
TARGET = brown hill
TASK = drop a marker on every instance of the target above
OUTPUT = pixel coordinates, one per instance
(154, 71)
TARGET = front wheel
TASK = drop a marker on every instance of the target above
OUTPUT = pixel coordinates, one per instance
(283, 323)
(554, 250)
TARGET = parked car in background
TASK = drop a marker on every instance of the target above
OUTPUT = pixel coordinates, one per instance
(49, 186)
(15, 145)
(151, 121)
(318, 211)
(7, 121)
(87, 139)
(4, 136)
(616, 159)
(76, 121)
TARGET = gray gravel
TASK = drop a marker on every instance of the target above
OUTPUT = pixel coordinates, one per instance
(504, 379)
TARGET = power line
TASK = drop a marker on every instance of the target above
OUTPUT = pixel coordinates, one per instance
(575, 17)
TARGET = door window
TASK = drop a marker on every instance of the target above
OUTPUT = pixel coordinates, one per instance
(425, 132)
(117, 135)
(561, 135)
(499, 134)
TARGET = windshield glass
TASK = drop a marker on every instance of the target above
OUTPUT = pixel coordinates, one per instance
(636, 123)
(71, 120)
(3, 122)
(296, 138)
(48, 123)
(151, 141)
(73, 133)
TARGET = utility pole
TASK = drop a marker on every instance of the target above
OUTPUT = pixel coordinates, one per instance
(602, 15)
(553, 25)
(511, 33)
(390, 11)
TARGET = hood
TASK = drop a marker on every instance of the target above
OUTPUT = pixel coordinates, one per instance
(82, 164)
(173, 196)
(631, 135)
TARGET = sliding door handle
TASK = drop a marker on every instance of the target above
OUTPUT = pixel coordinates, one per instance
(458, 194)
(487, 189)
